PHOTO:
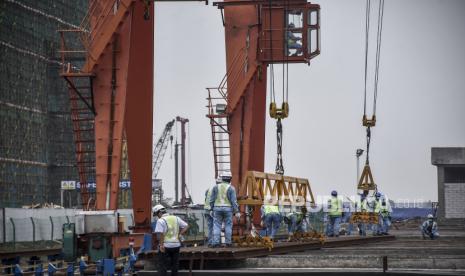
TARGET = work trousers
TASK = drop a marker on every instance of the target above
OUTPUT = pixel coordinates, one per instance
(168, 260)
(272, 223)
(220, 217)
(430, 234)
(333, 226)
(209, 220)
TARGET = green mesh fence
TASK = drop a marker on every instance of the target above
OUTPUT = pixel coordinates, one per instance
(36, 141)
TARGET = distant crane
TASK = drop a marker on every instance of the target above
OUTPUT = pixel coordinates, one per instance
(160, 148)
(158, 154)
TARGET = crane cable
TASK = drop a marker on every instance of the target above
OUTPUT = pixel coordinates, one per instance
(371, 122)
(276, 113)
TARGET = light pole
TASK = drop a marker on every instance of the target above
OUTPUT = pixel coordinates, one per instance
(358, 153)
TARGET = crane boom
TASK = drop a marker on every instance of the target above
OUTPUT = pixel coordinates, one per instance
(160, 148)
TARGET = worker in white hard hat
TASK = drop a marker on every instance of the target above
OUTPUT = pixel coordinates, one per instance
(271, 216)
(223, 203)
(429, 228)
(170, 228)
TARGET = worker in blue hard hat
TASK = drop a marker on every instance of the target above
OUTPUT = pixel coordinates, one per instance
(334, 215)
(384, 210)
(429, 228)
(223, 203)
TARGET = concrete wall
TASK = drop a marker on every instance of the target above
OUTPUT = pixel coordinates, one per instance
(450, 195)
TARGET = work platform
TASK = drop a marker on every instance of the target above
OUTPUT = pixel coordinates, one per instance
(203, 254)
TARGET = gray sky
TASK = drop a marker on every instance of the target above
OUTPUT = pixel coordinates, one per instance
(421, 95)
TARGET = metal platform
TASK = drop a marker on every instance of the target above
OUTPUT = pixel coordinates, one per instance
(203, 253)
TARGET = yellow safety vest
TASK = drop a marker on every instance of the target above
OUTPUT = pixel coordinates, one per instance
(222, 195)
(206, 205)
(384, 209)
(172, 231)
(336, 207)
(270, 209)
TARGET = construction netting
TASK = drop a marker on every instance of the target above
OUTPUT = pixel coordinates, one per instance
(36, 141)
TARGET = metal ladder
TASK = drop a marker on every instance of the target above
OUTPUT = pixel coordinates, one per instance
(217, 104)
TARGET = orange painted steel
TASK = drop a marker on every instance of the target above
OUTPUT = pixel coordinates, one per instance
(118, 47)
(248, 26)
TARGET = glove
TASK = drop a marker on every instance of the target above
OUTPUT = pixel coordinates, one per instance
(237, 215)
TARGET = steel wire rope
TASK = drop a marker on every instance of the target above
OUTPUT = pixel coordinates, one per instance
(378, 51)
(367, 29)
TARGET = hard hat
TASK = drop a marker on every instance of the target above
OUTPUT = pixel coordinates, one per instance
(378, 194)
(334, 193)
(158, 208)
(226, 176)
(430, 216)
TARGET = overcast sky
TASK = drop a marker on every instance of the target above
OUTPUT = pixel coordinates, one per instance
(421, 95)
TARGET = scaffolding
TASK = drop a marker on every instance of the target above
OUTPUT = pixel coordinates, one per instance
(36, 137)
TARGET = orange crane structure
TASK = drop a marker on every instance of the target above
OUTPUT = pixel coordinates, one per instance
(110, 93)
(110, 82)
(258, 34)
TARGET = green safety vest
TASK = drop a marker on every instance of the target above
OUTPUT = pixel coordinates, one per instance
(172, 232)
(270, 209)
(222, 195)
(336, 207)
(207, 206)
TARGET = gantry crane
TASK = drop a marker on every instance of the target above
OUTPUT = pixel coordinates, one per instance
(259, 34)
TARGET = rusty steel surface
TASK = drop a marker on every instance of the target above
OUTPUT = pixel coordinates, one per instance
(237, 253)
(138, 117)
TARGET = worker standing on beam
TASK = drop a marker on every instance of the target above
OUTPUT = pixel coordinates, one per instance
(361, 206)
(334, 215)
(271, 216)
(170, 228)
(223, 203)
(208, 216)
(384, 210)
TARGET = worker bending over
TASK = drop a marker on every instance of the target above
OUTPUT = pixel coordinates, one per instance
(429, 228)
(271, 217)
(296, 220)
(169, 228)
(384, 210)
(223, 203)
(334, 215)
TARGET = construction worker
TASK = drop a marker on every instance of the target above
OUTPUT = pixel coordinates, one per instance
(223, 203)
(208, 215)
(334, 215)
(429, 228)
(295, 220)
(383, 209)
(170, 228)
(293, 41)
(271, 217)
(361, 206)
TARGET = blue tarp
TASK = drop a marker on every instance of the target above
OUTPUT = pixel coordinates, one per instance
(409, 213)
